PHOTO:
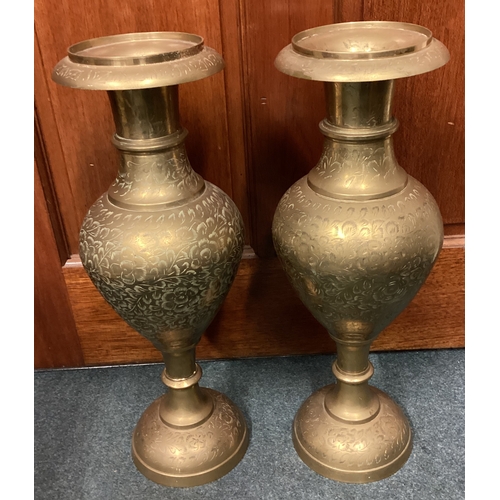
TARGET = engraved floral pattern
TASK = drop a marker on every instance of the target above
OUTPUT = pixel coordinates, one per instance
(355, 169)
(177, 71)
(165, 175)
(352, 261)
(175, 449)
(166, 273)
(352, 447)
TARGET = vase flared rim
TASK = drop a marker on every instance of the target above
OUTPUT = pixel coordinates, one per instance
(137, 61)
(362, 51)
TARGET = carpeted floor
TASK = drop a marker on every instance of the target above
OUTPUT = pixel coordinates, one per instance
(84, 421)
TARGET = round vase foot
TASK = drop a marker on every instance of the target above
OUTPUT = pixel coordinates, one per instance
(352, 452)
(194, 455)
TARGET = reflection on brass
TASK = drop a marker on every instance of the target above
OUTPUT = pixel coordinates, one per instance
(357, 237)
(163, 245)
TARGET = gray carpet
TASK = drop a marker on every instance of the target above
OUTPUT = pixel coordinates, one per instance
(84, 421)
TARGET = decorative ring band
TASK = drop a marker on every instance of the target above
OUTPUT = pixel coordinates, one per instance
(357, 134)
(182, 383)
(155, 144)
(357, 378)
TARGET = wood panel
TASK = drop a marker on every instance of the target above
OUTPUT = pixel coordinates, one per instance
(50, 158)
(262, 316)
(52, 309)
(430, 143)
(234, 91)
(283, 112)
(83, 119)
(49, 196)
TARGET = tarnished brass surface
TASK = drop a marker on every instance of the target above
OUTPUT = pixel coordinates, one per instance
(162, 245)
(357, 238)
(137, 61)
(175, 447)
(363, 51)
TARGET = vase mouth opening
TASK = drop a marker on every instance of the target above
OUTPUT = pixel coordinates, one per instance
(132, 61)
(362, 51)
(362, 40)
(133, 49)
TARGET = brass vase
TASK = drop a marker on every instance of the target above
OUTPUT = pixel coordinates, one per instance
(357, 237)
(162, 245)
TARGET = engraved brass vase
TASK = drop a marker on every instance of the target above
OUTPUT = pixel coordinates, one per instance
(357, 237)
(162, 245)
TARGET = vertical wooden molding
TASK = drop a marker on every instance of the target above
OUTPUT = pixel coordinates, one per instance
(279, 112)
(56, 342)
(253, 218)
(51, 161)
(234, 92)
(50, 196)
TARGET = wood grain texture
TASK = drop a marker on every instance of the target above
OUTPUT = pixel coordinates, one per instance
(430, 143)
(54, 166)
(262, 316)
(234, 92)
(346, 11)
(49, 195)
(56, 342)
(283, 113)
(83, 119)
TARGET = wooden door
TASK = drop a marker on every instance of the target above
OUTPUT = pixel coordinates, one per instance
(260, 128)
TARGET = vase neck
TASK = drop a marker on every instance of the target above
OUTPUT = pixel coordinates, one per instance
(145, 113)
(358, 161)
(155, 172)
(359, 105)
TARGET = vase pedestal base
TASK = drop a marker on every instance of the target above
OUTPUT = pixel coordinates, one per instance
(193, 455)
(352, 452)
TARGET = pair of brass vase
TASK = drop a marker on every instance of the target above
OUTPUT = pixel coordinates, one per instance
(357, 238)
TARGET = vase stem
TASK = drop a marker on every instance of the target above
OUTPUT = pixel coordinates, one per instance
(352, 399)
(352, 358)
(185, 403)
(180, 364)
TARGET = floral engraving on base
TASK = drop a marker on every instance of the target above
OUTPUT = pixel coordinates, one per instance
(352, 447)
(188, 449)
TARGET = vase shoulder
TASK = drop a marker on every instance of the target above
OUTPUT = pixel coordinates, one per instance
(150, 182)
(358, 170)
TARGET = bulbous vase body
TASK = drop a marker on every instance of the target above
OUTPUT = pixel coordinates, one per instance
(357, 264)
(165, 271)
